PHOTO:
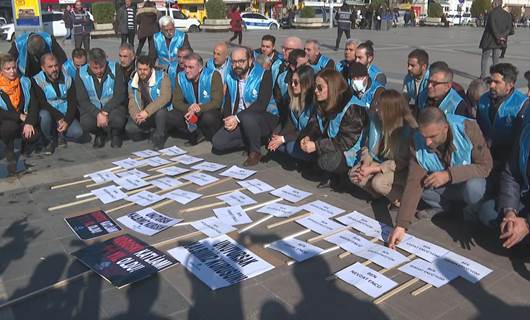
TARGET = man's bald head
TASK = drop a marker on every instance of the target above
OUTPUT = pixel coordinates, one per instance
(291, 43)
(36, 46)
(220, 53)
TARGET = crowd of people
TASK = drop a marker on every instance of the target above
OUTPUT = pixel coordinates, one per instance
(432, 142)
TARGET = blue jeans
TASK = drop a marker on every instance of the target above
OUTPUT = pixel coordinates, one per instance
(469, 192)
(48, 127)
(292, 148)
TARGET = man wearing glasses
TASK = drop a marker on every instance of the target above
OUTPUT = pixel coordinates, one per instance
(441, 93)
(247, 115)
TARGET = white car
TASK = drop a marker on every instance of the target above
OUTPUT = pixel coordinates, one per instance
(52, 22)
(257, 21)
(182, 22)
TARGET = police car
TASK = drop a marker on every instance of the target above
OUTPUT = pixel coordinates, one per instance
(257, 21)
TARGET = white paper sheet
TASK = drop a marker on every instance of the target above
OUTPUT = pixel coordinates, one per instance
(182, 196)
(255, 186)
(468, 269)
(365, 279)
(212, 227)
(208, 166)
(131, 182)
(102, 176)
(173, 171)
(234, 215)
(146, 153)
(350, 241)
(296, 249)
(156, 161)
(279, 210)
(383, 256)
(165, 183)
(437, 273)
(237, 173)
(186, 159)
(147, 221)
(133, 172)
(369, 226)
(173, 151)
(319, 224)
(323, 208)
(109, 194)
(200, 178)
(236, 198)
(145, 198)
(128, 163)
(423, 249)
(290, 194)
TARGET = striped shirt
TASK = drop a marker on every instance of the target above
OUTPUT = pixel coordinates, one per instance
(130, 18)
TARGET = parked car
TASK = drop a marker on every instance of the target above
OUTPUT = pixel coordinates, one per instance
(182, 22)
(52, 22)
(257, 21)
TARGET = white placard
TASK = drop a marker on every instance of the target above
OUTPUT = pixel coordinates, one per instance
(468, 269)
(370, 227)
(349, 241)
(233, 216)
(237, 173)
(131, 182)
(173, 151)
(295, 249)
(133, 172)
(365, 279)
(255, 186)
(173, 171)
(156, 161)
(212, 227)
(128, 163)
(147, 221)
(186, 159)
(290, 194)
(102, 176)
(383, 256)
(146, 153)
(145, 198)
(279, 210)
(182, 196)
(220, 262)
(109, 194)
(322, 208)
(237, 198)
(200, 178)
(437, 273)
(423, 249)
(208, 166)
(319, 224)
(165, 183)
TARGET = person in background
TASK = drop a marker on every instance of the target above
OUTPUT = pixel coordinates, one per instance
(221, 60)
(126, 18)
(474, 91)
(79, 59)
(236, 25)
(168, 42)
(349, 58)
(417, 78)
(365, 55)
(274, 58)
(147, 21)
(126, 59)
(527, 77)
(317, 60)
(68, 22)
(364, 88)
(82, 26)
(344, 18)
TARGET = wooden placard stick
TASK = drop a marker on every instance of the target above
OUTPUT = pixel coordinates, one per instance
(146, 179)
(214, 183)
(395, 291)
(294, 235)
(281, 223)
(421, 290)
(291, 262)
(109, 169)
(64, 185)
(329, 234)
(260, 221)
(221, 193)
(347, 253)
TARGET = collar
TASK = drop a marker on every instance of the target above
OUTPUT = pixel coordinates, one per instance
(107, 72)
(60, 80)
(318, 59)
(136, 79)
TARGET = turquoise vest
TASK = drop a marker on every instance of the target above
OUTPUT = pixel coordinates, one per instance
(25, 83)
(524, 149)
(420, 98)
(333, 127)
(301, 121)
(430, 162)
(172, 73)
(108, 85)
(21, 44)
(59, 103)
(368, 96)
(374, 137)
(321, 63)
(166, 56)
(282, 85)
(501, 130)
(204, 88)
(251, 92)
(154, 91)
(450, 102)
(373, 72)
(211, 65)
(69, 68)
(340, 66)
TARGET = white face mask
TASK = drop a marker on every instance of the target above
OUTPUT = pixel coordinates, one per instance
(358, 85)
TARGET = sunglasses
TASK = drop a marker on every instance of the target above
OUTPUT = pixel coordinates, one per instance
(295, 83)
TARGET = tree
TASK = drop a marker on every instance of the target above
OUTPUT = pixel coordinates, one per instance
(215, 9)
(478, 7)
(435, 10)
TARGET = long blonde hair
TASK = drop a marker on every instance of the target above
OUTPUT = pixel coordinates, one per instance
(307, 86)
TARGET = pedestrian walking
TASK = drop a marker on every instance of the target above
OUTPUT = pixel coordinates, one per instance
(81, 26)
(147, 21)
(344, 18)
(236, 25)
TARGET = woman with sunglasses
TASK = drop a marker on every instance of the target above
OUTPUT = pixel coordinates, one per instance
(335, 133)
(382, 170)
(301, 108)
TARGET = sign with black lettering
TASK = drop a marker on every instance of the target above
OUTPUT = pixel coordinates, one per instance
(92, 225)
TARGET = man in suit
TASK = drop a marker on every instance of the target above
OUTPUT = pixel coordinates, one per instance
(495, 36)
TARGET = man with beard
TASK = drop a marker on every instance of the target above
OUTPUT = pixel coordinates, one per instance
(149, 101)
(78, 60)
(448, 165)
(247, 118)
(126, 58)
(349, 58)
(55, 92)
(197, 99)
(415, 82)
(316, 59)
(168, 42)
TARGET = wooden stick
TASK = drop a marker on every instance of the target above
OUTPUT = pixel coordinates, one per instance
(421, 290)
(290, 263)
(395, 291)
(146, 179)
(163, 166)
(294, 235)
(347, 253)
(64, 185)
(214, 184)
(262, 204)
(281, 223)
(329, 234)
(221, 193)
(252, 225)
(109, 169)
(206, 206)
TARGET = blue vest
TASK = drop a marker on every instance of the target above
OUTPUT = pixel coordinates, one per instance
(282, 85)
(501, 130)
(340, 66)
(69, 68)
(420, 98)
(154, 91)
(374, 137)
(166, 56)
(321, 63)
(60, 103)
(450, 102)
(301, 121)
(430, 162)
(204, 89)
(108, 85)
(251, 92)
(524, 149)
(368, 96)
(211, 65)
(172, 73)
(333, 127)
(373, 72)
(21, 44)
(25, 83)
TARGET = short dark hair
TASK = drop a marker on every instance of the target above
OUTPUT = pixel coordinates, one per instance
(357, 69)
(421, 55)
(78, 53)
(295, 54)
(45, 57)
(507, 70)
(368, 46)
(6, 58)
(527, 75)
(269, 37)
(442, 66)
(145, 60)
(431, 115)
(196, 57)
(97, 55)
(189, 49)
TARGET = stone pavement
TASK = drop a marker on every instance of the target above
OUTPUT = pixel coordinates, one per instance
(35, 244)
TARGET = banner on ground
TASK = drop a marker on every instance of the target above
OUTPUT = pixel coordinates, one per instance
(92, 225)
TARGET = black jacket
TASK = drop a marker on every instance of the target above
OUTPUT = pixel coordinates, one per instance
(12, 115)
(33, 64)
(43, 103)
(498, 25)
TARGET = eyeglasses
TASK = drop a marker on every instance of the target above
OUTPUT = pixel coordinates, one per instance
(435, 83)
(239, 61)
(295, 83)
(319, 87)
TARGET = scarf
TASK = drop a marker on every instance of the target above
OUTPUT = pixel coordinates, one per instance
(13, 90)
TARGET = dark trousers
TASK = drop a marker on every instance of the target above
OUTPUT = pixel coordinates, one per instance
(117, 118)
(82, 39)
(333, 162)
(339, 36)
(209, 123)
(11, 130)
(151, 43)
(128, 37)
(252, 129)
(157, 121)
(239, 35)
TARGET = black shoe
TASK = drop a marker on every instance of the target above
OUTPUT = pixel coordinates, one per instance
(11, 163)
(117, 141)
(324, 183)
(50, 148)
(99, 141)
(193, 139)
(158, 143)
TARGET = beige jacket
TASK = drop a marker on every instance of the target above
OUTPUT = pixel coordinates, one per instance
(163, 99)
